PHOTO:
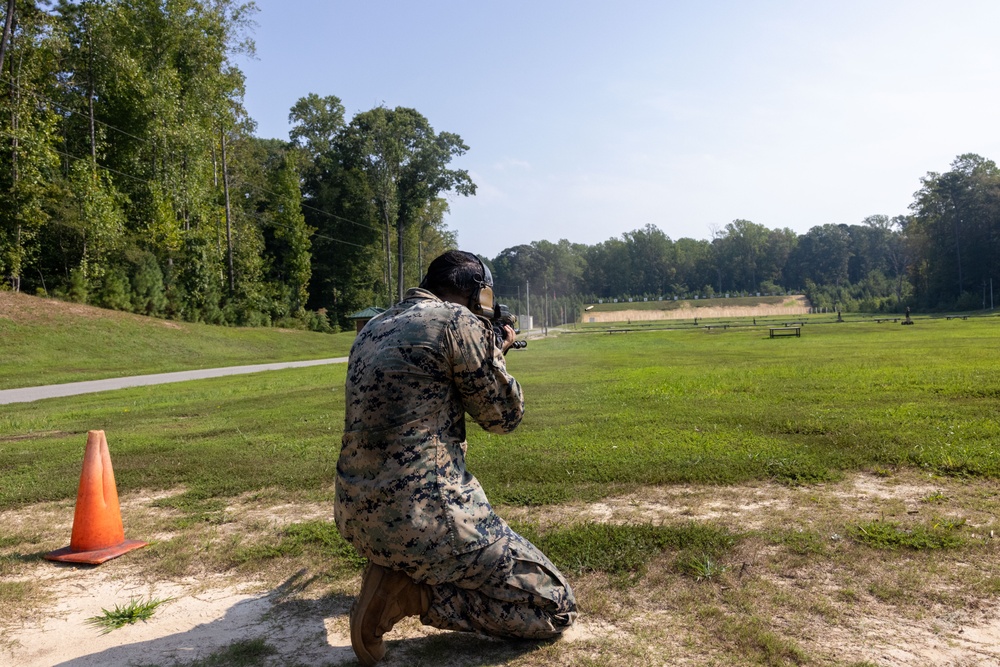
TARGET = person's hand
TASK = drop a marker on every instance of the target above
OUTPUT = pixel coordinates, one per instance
(508, 338)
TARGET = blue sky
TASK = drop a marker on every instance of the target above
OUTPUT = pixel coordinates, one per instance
(586, 120)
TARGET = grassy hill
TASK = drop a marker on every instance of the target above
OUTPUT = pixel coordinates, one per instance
(47, 341)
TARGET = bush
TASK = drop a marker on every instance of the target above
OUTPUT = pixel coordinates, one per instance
(78, 289)
(969, 301)
(115, 292)
(148, 293)
(318, 321)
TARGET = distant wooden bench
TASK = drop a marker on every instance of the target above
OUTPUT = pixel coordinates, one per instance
(886, 319)
(793, 324)
(785, 331)
(955, 317)
(709, 327)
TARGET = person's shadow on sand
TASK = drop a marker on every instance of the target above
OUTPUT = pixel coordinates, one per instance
(284, 626)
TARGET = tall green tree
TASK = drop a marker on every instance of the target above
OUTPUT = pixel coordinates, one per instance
(822, 256)
(29, 163)
(693, 265)
(287, 236)
(404, 165)
(347, 273)
(742, 248)
(649, 251)
(956, 231)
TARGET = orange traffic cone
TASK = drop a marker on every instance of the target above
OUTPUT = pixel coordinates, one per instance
(98, 534)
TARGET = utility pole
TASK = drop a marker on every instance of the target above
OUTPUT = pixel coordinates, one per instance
(527, 296)
(545, 310)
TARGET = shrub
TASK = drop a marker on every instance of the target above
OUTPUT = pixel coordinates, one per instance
(148, 293)
(115, 292)
(78, 289)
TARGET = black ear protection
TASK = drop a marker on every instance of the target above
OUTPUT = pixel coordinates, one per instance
(481, 302)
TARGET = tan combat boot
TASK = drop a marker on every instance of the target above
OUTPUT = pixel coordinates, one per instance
(386, 597)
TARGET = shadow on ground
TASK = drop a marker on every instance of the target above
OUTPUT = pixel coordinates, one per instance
(283, 628)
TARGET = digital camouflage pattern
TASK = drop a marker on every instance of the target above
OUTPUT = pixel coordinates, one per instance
(509, 589)
(404, 497)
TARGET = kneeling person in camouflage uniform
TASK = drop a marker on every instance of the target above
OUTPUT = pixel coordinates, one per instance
(404, 498)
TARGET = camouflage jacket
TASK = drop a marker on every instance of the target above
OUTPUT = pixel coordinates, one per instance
(404, 497)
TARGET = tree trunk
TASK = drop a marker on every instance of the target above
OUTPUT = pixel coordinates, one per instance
(7, 29)
(958, 256)
(399, 257)
(15, 280)
(229, 227)
(15, 95)
(90, 97)
(387, 237)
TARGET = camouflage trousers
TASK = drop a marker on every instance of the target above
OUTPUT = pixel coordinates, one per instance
(509, 589)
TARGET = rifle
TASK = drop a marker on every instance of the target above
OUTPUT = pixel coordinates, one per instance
(501, 318)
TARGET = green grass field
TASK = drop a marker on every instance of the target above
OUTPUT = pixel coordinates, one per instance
(49, 342)
(605, 413)
(686, 418)
(728, 406)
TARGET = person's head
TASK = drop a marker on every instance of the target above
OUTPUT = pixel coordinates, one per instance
(463, 278)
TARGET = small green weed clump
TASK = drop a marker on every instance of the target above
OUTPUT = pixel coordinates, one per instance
(936, 497)
(943, 534)
(700, 567)
(798, 471)
(122, 615)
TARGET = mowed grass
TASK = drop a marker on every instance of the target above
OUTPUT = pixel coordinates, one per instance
(216, 438)
(46, 342)
(609, 412)
(688, 420)
(605, 414)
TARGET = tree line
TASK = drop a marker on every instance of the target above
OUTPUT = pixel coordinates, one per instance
(131, 178)
(942, 255)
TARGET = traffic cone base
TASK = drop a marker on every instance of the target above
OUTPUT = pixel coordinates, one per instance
(95, 557)
(98, 534)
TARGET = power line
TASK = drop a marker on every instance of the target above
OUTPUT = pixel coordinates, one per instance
(260, 217)
(63, 107)
(151, 143)
(255, 214)
(99, 166)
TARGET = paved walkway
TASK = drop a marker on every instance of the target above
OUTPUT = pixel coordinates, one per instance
(28, 394)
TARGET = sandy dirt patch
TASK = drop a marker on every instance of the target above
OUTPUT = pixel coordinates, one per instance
(201, 617)
(792, 306)
(307, 625)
